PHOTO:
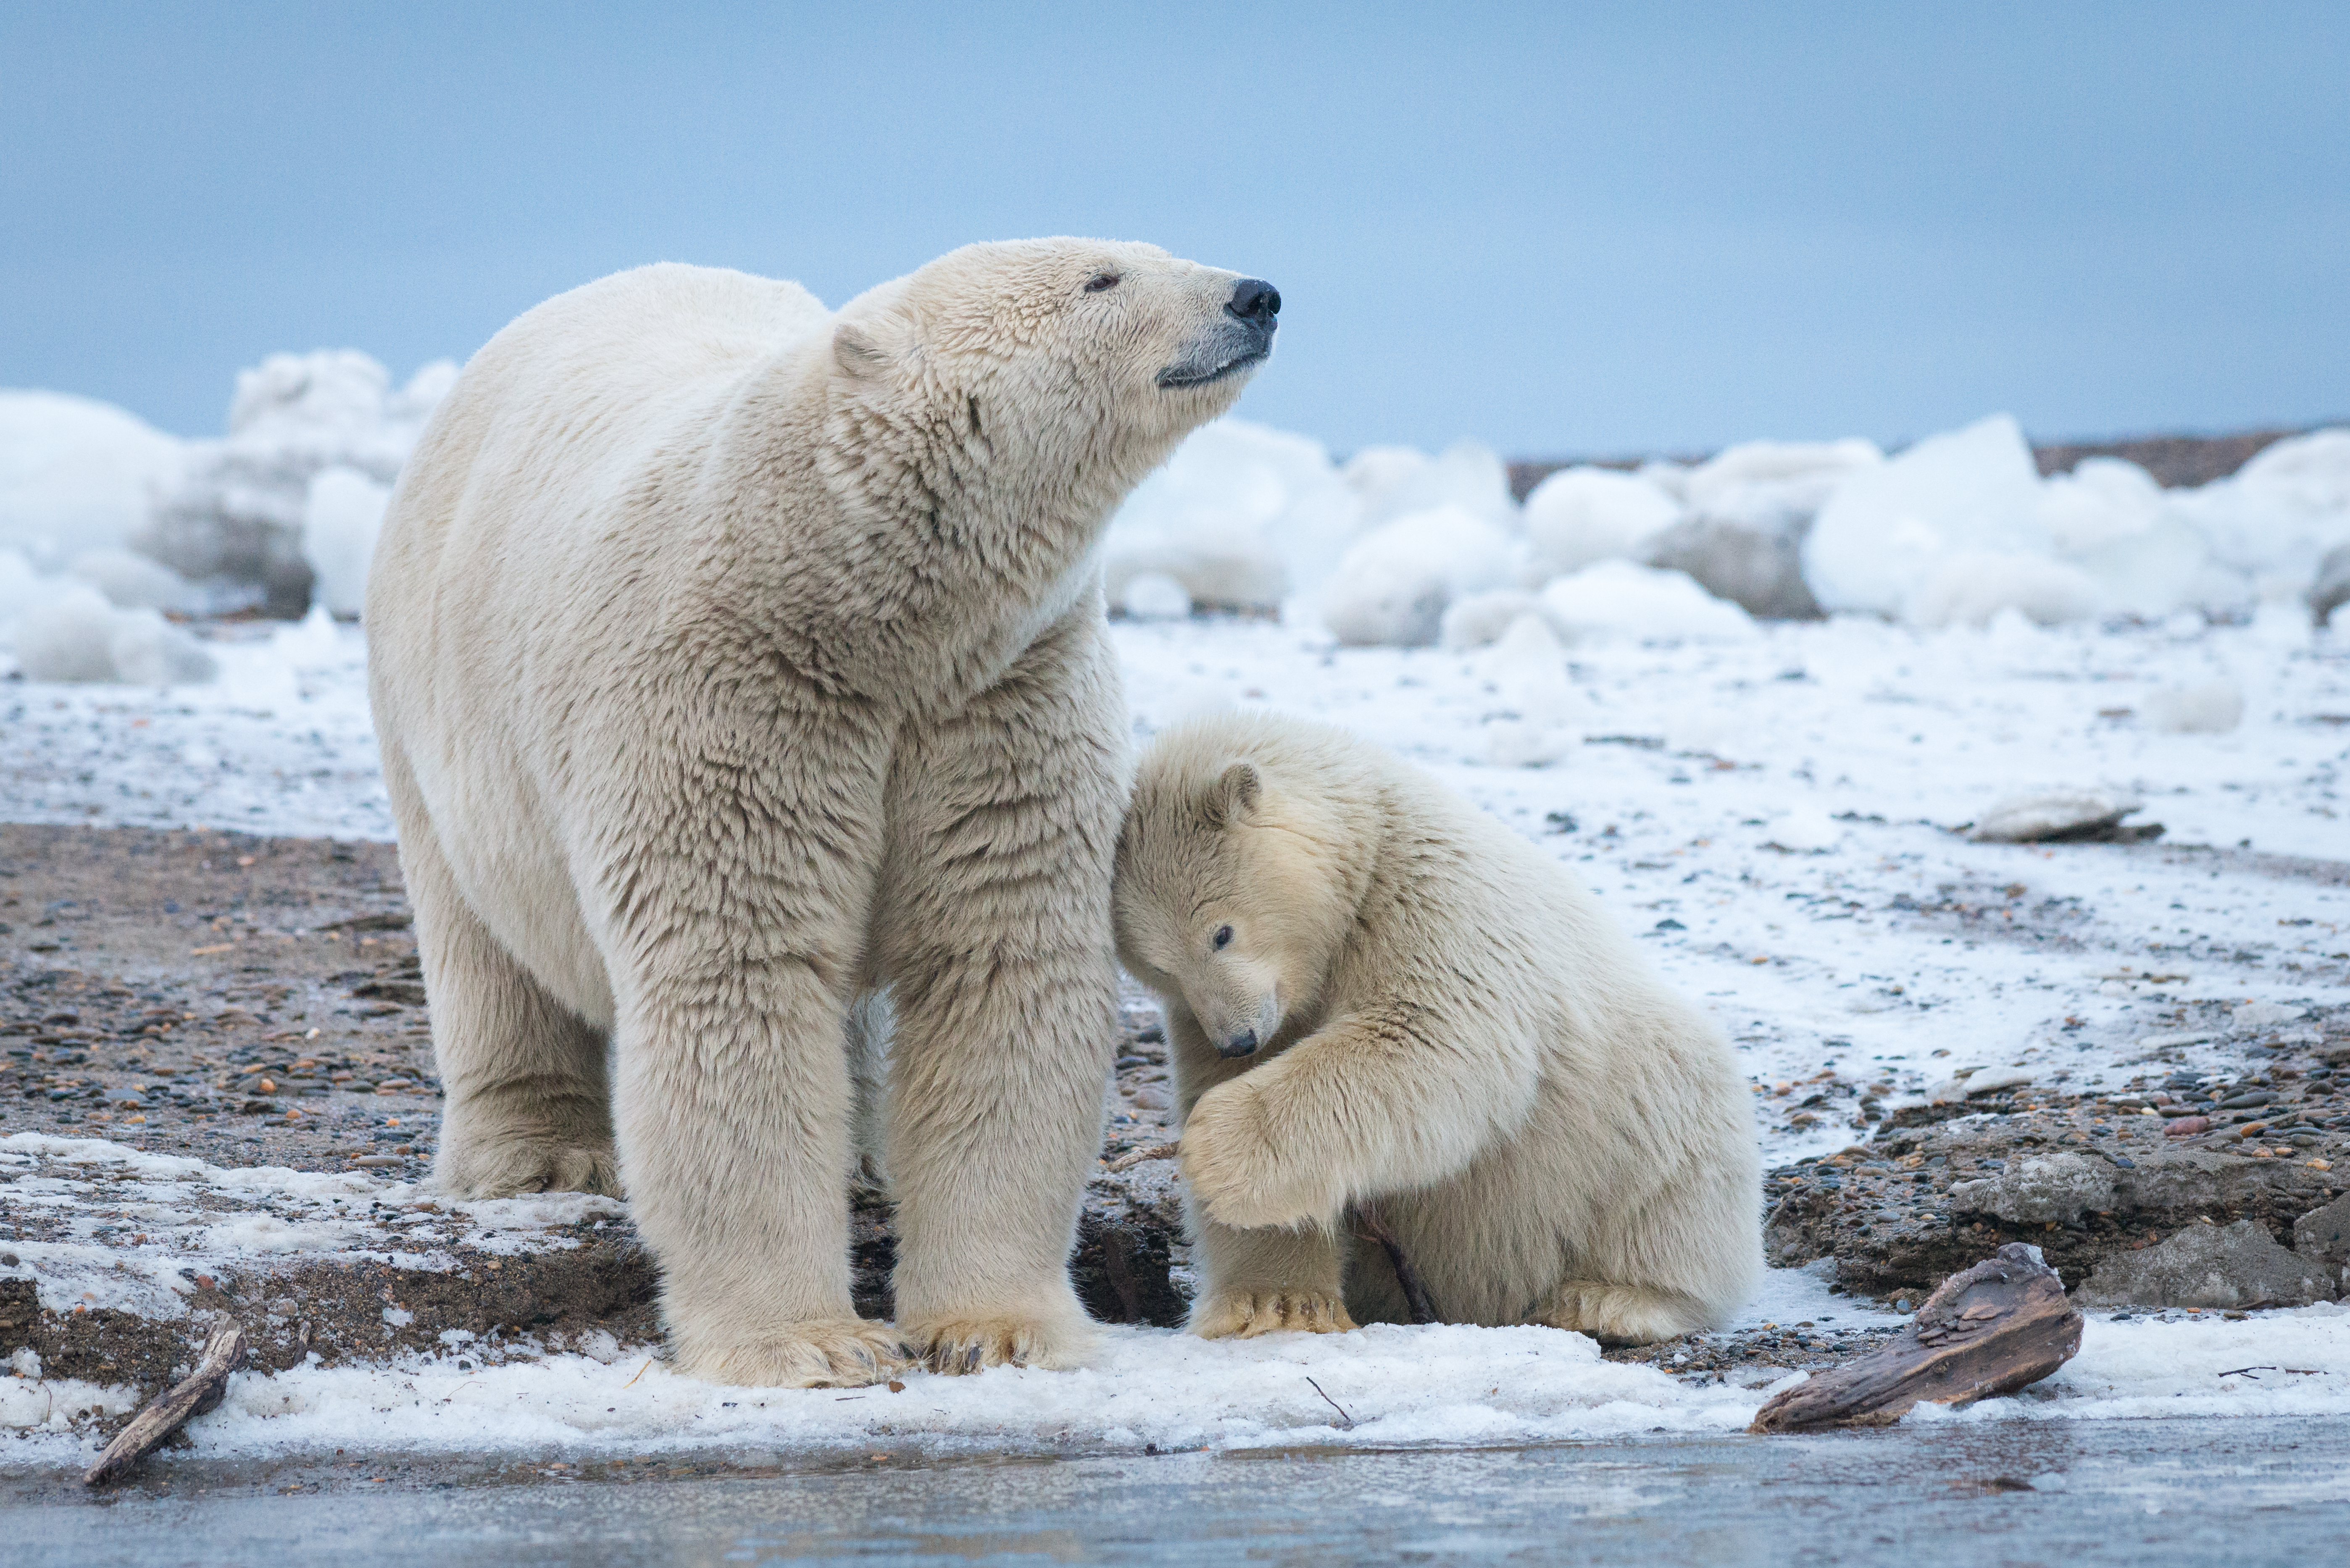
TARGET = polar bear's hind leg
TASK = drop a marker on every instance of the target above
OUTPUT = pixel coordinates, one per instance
(1624, 1314)
(529, 1101)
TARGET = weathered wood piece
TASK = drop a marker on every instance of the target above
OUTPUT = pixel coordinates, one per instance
(1372, 1226)
(1144, 1156)
(170, 1411)
(1993, 1329)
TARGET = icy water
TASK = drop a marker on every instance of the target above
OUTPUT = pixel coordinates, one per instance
(2238, 1491)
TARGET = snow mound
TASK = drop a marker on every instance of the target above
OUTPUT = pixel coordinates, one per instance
(1579, 515)
(1241, 516)
(2276, 518)
(238, 507)
(1617, 598)
(78, 636)
(1395, 584)
(2212, 708)
(1885, 528)
(1774, 484)
(1971, 587)
(340, 519)
(1477, 620)
(132, 581)
(1154, 595)
(1394, 482)
(75, 475)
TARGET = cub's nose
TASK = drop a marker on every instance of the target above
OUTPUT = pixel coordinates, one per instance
(1254, 299)
(1243, 1043)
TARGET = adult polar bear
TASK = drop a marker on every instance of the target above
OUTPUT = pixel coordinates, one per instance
(732, 659)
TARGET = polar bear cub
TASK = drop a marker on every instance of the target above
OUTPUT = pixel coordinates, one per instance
(1375, 991)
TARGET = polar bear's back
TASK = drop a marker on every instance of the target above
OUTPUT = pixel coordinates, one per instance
(599, 378)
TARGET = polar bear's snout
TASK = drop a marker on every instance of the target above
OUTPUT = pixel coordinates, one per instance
(1242, 1043)
(1254, 299)
(1235, 344)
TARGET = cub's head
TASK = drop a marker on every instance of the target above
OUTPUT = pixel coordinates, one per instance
(1236, 884)
(1081, 360)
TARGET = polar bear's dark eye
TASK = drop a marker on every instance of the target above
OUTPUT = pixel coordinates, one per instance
(1223, 937)
(1100, 281)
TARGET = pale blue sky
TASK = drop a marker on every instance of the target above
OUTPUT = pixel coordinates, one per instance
(1556, 228)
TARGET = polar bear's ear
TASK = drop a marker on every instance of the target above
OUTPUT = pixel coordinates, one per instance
(1236, 794)
(858, 352)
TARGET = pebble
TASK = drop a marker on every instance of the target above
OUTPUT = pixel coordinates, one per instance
(2188, 1127)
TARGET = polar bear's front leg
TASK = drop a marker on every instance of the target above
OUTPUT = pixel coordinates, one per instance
(738, 884)
(995, 936)
(1373, 1102)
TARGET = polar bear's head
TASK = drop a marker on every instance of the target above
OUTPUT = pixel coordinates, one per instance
(1238, 877)
(1054, 363)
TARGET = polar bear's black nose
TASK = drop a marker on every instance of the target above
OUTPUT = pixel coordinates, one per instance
(1254, 299)
(1241, 1044)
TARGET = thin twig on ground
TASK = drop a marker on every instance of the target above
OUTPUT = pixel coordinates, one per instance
(1349, 1420)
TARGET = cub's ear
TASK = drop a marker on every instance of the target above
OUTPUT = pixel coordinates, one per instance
(1236, 794)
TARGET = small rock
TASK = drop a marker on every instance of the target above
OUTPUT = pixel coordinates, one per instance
(1996, 1079)
(2187, 1126)
(1150, 1097)
(2322, 1237)
(2060, 816)
(2045, 1188)
(2254, 1016)
(2237, 1265)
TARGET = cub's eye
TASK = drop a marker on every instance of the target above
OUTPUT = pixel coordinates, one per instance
(1223, 937)
(1100, 281)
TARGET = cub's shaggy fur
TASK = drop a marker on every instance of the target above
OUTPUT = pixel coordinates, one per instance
(1376, 992)
(734, 661)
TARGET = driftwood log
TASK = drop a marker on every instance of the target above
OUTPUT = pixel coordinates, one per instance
(1993, 1329)
(168, 1412)
(1145, 1156)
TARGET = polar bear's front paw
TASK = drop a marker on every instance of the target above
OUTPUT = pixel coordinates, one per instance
(470, 1169)
(1240, 1178)
(1244, 1314)
(960, 1345)
(822, 1353)
(1623, 1315)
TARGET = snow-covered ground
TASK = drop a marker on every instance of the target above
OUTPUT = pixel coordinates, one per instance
(1774, 814)
(1388, 1384)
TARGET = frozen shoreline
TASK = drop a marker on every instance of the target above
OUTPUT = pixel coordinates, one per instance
(1776, 817)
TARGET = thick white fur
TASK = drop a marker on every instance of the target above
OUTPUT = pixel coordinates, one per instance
(1453, 1028)
(733, 660)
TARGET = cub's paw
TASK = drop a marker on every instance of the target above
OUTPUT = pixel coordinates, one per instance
(468, 1169)
(1244, 1314)
(1235, 1173)
(1623, 1315)
(822, 1353)
(960, 1345)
